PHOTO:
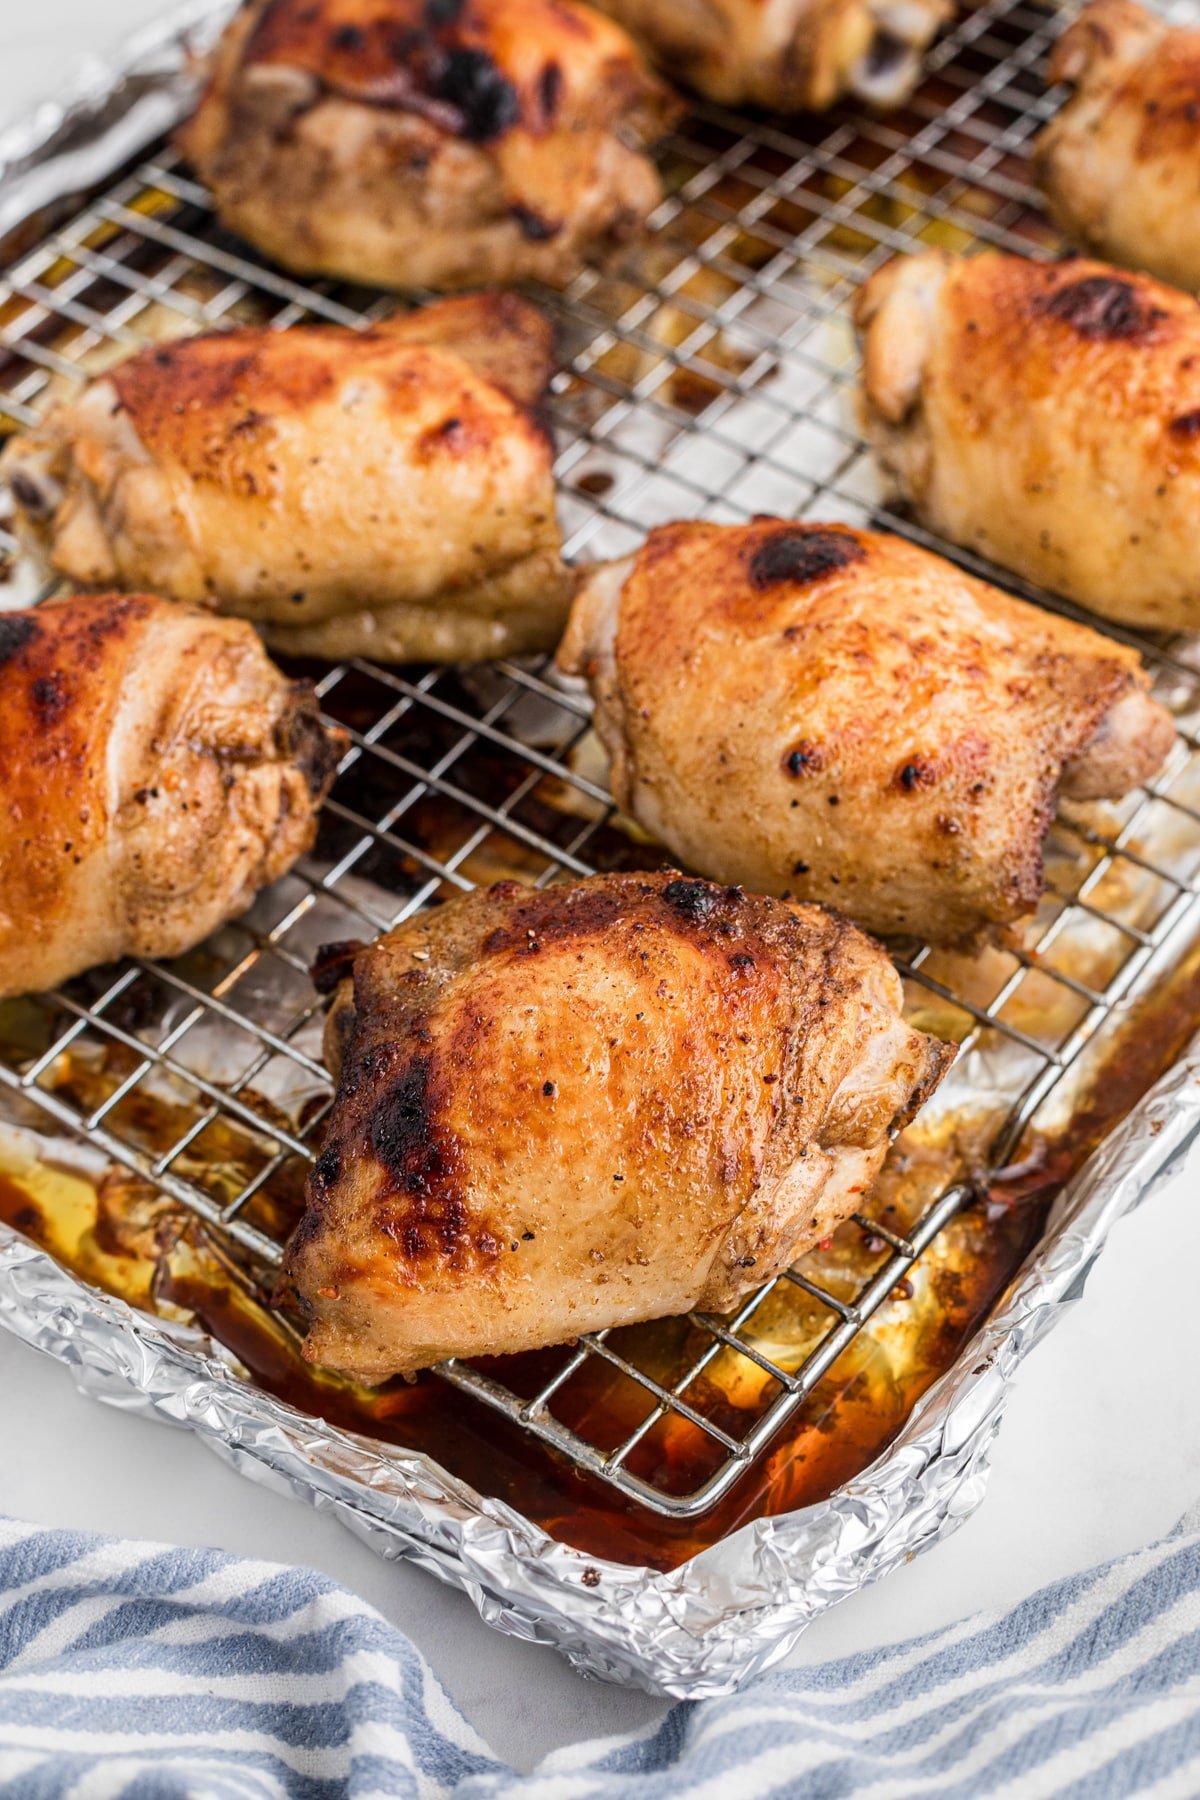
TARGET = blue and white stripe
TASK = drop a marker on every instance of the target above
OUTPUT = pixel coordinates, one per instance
(152, 1673)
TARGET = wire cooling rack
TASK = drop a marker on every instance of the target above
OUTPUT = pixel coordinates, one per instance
(711, 377)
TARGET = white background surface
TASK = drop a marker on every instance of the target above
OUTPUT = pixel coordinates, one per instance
(1099, 1452)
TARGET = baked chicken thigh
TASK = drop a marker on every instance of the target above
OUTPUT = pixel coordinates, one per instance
(788, 55)
(387, 492)
(158, 771)
(1120, 164)
(1047, 416)
(839, 715)
(429, 143)
(597, 1103)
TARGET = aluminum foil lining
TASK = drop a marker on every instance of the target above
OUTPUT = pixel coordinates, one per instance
(702, 1629)
(108, 112)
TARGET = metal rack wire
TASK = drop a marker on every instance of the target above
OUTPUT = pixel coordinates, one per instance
(709, 377)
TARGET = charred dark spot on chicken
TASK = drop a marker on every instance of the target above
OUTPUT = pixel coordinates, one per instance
(422, 1208)
(799, 553)
(550, 86)
(51, 698)
(1187, 426)
(917, 773)
(589, 911)
(326, 1171)
(454, 437)
(695, 900)
(402, 1129)
(351, 38)
(16, 631)
(484, 97)
(163, 390)
(533, 226)
(333, 964)
(1104, 308)
(39, 498)
(805, 759)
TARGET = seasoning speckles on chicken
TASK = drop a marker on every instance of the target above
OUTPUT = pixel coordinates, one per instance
(788, 55)
(843, 716)
(1120, 164)
(429, 143)
(565, 1109)
(387, 492)
(158, 771)
(1047, 416)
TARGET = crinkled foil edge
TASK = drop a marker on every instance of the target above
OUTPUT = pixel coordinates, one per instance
(703, 1629)
(105, 114)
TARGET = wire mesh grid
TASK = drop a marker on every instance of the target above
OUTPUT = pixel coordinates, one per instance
(709, 377)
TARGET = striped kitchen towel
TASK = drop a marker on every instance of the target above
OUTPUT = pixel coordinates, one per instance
(151, 1673)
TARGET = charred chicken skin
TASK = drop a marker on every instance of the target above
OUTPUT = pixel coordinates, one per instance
(1047, 416)
(413, 143)
(788, 55)
(158, 771)
(1120, 164)
(842, 716)
(565, 1109)
(387, 492)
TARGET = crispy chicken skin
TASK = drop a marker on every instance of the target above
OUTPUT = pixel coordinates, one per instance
(429, 143)
(1047, 416)
(158, 771)
(839, 715)
(565, 1109)
(387, 492)
(788, 55)
(1120, 164)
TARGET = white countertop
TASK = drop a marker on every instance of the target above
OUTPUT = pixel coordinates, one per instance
(1099, 1452)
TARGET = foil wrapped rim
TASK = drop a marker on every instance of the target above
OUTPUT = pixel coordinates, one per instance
(106, 113)
(704, 1628)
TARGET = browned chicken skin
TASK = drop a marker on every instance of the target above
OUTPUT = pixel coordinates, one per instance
(840, 715)
(158, 771)
(412, 143)
(1120, 163)
(1047, 416)
(789, 55)
(568, 1109)
(387, 492)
